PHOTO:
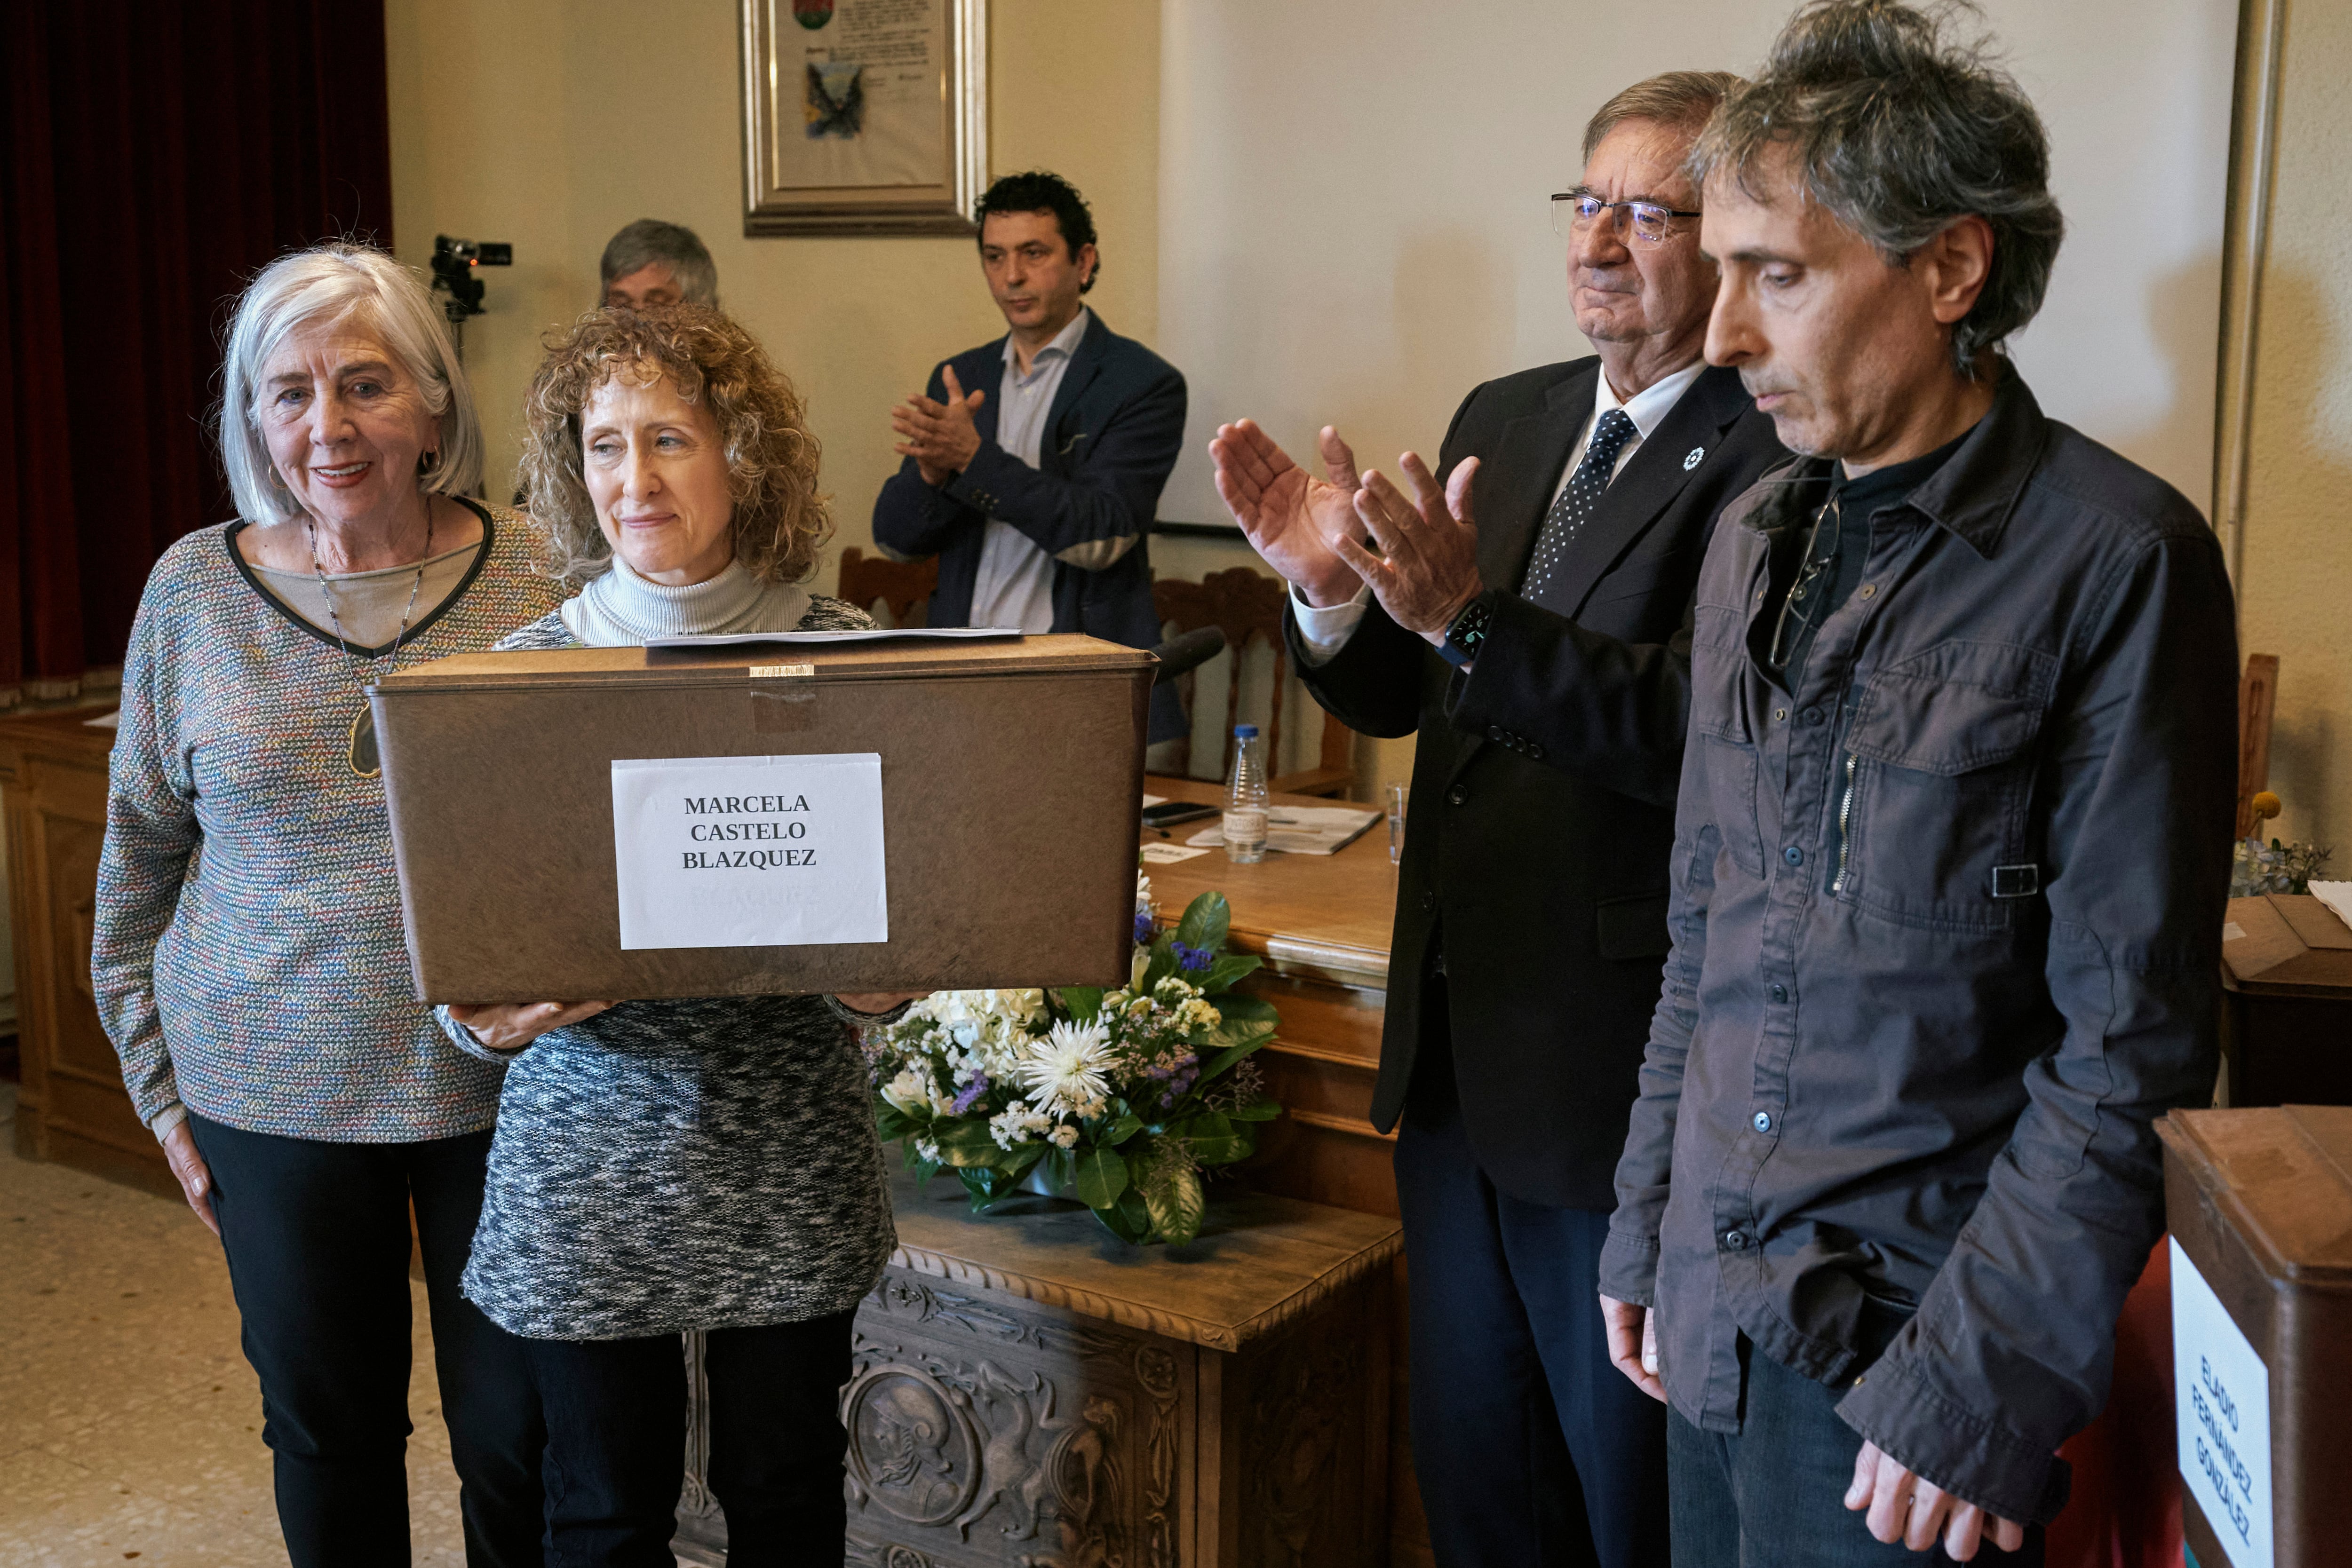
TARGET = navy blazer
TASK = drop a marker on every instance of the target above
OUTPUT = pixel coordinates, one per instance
(1544, 780)
(1110, 439)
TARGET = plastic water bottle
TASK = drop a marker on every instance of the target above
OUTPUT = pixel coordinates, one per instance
(1245, 799)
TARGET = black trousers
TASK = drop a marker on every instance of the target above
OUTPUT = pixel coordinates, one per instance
(1775, 1492)
(1529, 1447)
(317, 1237)
(617, 1444)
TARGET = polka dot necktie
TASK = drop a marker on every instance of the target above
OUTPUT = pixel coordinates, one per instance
(1579, 499)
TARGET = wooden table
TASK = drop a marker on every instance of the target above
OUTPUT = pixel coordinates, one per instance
(1322, 923)
(72, 1106)
(1027, 1389)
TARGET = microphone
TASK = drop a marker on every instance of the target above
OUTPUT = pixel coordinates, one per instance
(1180, 655)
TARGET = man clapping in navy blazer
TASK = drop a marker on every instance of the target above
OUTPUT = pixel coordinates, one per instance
(1532, 622)
(1034, 464)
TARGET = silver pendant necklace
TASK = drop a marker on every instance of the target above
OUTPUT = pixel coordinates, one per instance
(363, 756)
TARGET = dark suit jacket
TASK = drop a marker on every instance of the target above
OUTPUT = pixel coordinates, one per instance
(1544, 780)
(1110, 439)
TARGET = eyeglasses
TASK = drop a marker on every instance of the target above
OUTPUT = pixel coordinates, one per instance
(1796, 612)
(1573, 212)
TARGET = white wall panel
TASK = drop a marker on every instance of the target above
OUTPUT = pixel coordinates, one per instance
(1353, 224)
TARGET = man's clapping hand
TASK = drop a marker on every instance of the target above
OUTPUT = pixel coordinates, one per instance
(1290, 517)
(940, 436)
(1427, 570)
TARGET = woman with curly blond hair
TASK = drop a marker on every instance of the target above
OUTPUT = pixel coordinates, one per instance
(666, 1166)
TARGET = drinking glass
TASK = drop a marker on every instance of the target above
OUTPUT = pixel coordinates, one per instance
(1398, 796)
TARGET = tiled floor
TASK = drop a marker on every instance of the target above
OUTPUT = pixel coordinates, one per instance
(130, 1424)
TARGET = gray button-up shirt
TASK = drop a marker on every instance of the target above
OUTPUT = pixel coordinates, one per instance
(1015, 585)
(1942, 952)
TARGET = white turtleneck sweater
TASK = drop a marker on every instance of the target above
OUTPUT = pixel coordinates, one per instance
(621, 609)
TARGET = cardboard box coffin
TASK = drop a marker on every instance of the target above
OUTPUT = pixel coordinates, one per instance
(1011, 781)
(2260, 1202)
(2286, 1002)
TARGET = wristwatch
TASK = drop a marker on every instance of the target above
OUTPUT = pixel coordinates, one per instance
(1468, 633)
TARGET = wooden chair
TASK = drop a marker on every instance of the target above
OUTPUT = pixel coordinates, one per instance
(1246, 605)
(2257, 694)
(904, 587)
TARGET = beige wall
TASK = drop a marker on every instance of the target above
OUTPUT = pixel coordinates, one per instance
(2294, 583)
(550, 124)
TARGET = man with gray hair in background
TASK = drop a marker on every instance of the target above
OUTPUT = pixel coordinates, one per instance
(650, 264)
(1951, 856)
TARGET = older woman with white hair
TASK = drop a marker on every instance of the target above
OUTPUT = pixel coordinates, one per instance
(248, 960)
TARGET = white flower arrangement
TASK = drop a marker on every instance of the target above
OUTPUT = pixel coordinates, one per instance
(1121, 1097)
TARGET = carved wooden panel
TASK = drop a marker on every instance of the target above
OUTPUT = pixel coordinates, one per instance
(989, 1430)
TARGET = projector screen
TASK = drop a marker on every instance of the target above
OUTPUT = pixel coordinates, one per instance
(1354, 224)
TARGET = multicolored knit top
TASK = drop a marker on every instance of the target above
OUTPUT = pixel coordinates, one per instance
(248, 956)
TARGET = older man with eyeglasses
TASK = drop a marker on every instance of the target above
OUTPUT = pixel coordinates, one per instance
(1541, 652)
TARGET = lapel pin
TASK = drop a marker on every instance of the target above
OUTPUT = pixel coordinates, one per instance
(1691, 461)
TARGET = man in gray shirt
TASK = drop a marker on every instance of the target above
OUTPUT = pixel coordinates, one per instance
(1034, 464)
(1951, 856)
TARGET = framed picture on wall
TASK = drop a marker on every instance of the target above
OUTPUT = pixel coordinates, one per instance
(864, 117)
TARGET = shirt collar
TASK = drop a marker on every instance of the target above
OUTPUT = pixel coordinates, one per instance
(1065, 343)
(1649, 407)
(1978, 488)
(1971, 496)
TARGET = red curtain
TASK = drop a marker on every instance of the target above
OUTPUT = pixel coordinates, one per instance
(155, 157)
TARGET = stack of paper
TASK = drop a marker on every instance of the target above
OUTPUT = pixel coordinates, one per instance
(1301, 830)
(2337, 896)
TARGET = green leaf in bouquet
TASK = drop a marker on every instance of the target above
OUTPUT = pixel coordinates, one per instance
(1228, 971)
(1120, 1130)
(1206, 921)
(984, 1187)
(891, 1123)
(1216, 1065)
(1265, 1109)
(923, 1169)
(1083, 1003)
(1017, 1163)
(966, 1142)
(1214, 1139)
(1163, 962)
(1129, 1218)
(1238, 1012)
(1101, 1176)
(1175, 1203)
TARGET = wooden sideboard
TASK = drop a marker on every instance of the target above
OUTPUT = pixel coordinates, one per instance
(71, 1107)
(1026, 1389)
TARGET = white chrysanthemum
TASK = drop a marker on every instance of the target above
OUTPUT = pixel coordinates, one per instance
(1068, 1066)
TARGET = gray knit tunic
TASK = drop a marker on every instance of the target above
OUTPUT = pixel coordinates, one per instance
(246, 952)
(673, 1165)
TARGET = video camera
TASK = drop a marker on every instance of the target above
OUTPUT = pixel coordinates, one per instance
(454, 261)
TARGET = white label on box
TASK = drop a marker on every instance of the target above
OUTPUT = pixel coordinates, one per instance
(750, 851)
(2222, 1397)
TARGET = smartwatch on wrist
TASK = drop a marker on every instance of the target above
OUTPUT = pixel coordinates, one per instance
(1467, 634)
